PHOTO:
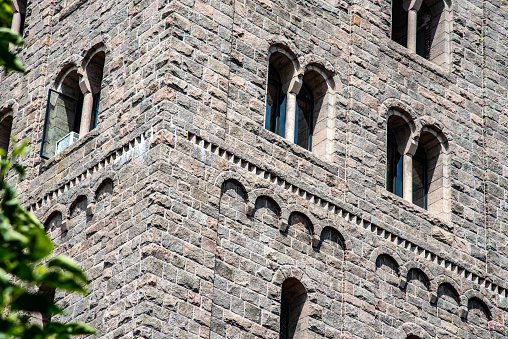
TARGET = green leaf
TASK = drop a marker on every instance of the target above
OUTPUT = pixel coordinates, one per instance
(72, 329)
(62, 280)
(67, 264)
(41, 245)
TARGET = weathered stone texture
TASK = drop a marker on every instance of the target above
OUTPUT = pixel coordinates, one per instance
(188, 215)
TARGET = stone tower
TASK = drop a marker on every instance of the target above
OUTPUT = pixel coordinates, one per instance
(273, 169)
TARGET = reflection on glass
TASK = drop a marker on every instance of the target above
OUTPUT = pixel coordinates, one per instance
(63, 115)
(304, 110)
(275, 118)
(420, 185)
(393, 166)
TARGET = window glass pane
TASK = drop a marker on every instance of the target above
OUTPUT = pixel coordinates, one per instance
(275, 116)
(420, 178)
(61, 118)
(95, 111)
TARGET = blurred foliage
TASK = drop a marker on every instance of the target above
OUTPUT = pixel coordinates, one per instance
(8, 60)
(25, 267)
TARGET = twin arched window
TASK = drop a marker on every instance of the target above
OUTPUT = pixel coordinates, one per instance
(72, 109)
(423, 26)
(297, 105)
(417, 164)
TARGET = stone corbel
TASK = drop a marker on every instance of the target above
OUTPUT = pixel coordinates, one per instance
(315, 240)
(283, 226)
(463, 312)
(249, 209)
(402, 282)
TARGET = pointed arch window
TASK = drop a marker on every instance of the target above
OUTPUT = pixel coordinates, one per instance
(275, 118)
(304, 118)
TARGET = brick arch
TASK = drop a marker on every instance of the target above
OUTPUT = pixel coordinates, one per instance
(384, 250)
(394, 103)
(86, 84)
(444, 279)
(100, 181)
(278, 45)
(78, 192)
(404, 271)
(314, 224)
(74, 202)
(265, 192)
(346, 240)
(11, 106)
(481, 297)
(309, 61)
(66, 68)
(53, 212)
(288, 271)
(411, 329)
(242, 182)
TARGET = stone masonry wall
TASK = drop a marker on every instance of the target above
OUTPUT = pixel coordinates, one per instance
(188, 215)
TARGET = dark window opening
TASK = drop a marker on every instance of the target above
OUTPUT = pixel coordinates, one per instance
(95, 110)
(420, 178)
(399, 23)
(394, 164)
(49, 293)
(275, 118)
(423, 31)
(293, 300)
(5, 131)
(304, 118)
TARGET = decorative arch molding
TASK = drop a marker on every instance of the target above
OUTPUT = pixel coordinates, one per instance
(98, 47)
(434, 126)
(85, 83)
(324, 73)
(344, 236)
(404, 270)
(384, 250)
(75, 202)
(444, 279)
(265, 192)
(100, 181)
(394, 103)
(55, 209)
(315, 227)
(408, 329)
(288, 271)
(312, 60)
(8, 108)
(80, 192)
(284, 49)
(66, 68)
(473, 294)
(242, 182)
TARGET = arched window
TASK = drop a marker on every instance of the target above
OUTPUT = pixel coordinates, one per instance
(424, 27)
(430, 173)
(5, 129)
(420, 178)
(72, 109)
(304, 118)
(393, 165)
(293, 298)
(275, 103)
(18, 16)
(63, 115)
(398, 139)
